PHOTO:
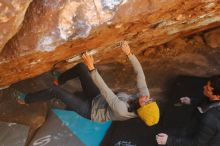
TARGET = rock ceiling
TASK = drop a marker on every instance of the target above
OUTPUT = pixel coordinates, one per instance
(36, 34)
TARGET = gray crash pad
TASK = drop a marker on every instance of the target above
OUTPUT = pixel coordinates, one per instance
(13, 134)
(67, 128)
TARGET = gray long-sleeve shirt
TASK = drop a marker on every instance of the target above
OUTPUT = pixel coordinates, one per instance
(109, 106)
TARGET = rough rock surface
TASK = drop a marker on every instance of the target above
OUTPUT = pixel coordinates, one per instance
(56, 30)
(188, 56)
(11, 16)
(213, 38)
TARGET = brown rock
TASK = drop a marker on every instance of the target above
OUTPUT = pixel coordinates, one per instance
(196, 41)
(150, 52)
(11, 17)
(213, 38)
(180, 17)
(56, 30)
(177, 43)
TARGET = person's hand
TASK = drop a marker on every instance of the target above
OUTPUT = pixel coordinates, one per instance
(125, 48)
(185, 100)
(88, 60)
(161, 138)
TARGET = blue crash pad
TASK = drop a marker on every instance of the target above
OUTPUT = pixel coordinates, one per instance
(89, 132)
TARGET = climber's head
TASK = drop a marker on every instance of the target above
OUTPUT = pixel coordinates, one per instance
(148, 110)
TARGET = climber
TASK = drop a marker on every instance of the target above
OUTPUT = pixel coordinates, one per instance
(208, 133)
(100, 102)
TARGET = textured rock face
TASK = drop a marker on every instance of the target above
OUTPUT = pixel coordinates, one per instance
(56, 30)
(11, 16)
(213, 38)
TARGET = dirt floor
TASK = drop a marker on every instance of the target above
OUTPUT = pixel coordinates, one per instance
(160, 68)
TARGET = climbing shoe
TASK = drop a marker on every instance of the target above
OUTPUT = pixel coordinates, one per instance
(20, 96)
(55, 75)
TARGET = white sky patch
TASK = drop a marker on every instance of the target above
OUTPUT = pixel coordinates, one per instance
(66, 24)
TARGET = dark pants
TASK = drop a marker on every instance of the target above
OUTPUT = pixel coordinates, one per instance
(81, 105)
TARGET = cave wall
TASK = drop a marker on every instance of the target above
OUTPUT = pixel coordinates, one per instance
(57, 30)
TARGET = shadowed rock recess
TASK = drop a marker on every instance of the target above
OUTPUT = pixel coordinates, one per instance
(169, 37)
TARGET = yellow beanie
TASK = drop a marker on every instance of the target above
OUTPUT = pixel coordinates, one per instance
(149, 113)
